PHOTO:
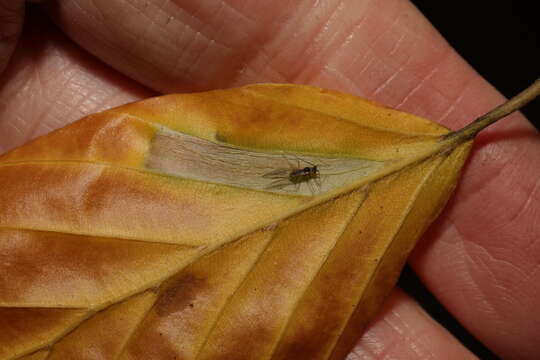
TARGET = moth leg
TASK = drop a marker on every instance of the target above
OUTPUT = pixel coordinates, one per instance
(277, 184)
(281, 186)
(328, 180)
(317, 180)
(311, 187)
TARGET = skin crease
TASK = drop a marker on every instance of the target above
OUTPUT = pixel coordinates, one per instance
(481, 258)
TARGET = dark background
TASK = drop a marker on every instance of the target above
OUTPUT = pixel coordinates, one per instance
(501, 40)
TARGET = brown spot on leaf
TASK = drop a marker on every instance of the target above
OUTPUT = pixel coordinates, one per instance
(245, 344)
(221, 137)
(156, 345)
(23, 328)
(179, 293)
(48, 267)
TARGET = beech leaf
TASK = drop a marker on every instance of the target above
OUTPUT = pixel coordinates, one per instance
(264, 222)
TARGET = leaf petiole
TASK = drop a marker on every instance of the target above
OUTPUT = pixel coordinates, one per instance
(515, 103)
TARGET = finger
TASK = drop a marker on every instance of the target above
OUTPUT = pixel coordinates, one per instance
(11, 20)
(403, 330)
(384, 50)
(51, 82)
(482, 262)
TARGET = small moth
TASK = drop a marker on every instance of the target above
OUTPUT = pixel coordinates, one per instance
(296, 176)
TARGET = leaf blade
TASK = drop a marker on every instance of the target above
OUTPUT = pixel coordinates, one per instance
(310, 267)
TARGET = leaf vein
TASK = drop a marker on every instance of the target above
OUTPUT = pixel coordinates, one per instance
(385, 251)
(112, 237)
(348, 121)
(304, 292)
(231, 296)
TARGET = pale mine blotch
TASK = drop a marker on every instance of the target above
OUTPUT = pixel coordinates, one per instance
(178, 154)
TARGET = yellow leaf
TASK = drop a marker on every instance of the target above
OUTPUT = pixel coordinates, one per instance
(265, 222)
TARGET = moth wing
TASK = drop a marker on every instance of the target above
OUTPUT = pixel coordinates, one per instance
(278, 174)
(281, 184)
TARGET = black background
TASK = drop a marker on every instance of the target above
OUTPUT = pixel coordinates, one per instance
(501, 40)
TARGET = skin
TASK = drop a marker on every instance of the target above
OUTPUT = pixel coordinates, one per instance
(481, 258)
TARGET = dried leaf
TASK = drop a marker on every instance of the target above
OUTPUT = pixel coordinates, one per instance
(266, 222)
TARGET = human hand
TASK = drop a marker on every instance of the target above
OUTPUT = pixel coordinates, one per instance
(480, 259)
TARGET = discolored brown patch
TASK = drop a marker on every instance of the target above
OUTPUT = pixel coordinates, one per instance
(102, 200)
(92, 198)
(194, 298)
(180, 293)
(323, 312)
(221, 137)
(27, 328)
(103, 336)
(39, 355)
(242, 344)
(161, 348)
(104, 137)
(48, 268)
